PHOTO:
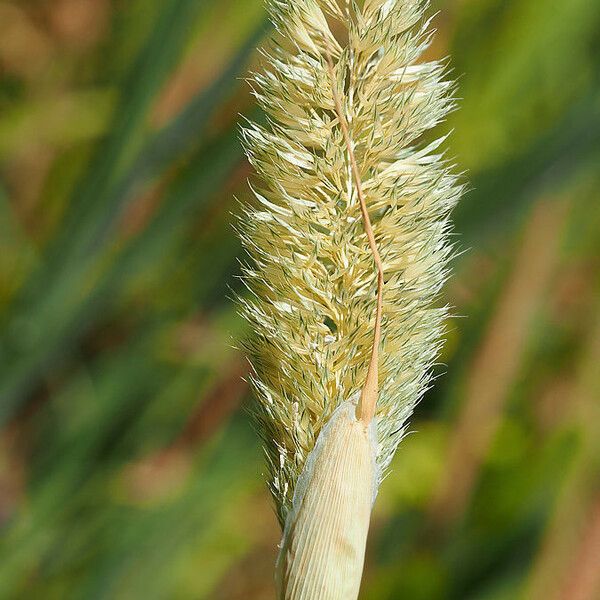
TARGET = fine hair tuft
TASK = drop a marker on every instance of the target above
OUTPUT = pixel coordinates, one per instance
(311, 276)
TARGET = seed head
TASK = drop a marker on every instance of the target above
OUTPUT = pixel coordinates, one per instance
(312, 276)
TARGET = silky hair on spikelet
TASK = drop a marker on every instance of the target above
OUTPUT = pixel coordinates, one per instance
(312, 277)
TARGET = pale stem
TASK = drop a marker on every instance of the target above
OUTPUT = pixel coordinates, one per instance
(368, 396)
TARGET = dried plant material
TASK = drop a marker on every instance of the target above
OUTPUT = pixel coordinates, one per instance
(349, 238)
(323, 547)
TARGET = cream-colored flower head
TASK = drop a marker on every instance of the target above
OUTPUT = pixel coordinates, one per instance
(312, 277)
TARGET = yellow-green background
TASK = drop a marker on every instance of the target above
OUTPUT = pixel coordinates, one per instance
(128, 468)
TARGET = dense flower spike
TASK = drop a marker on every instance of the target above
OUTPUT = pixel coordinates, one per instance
(313, 278)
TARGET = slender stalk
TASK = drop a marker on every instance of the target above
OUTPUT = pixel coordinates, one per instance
(368, 396)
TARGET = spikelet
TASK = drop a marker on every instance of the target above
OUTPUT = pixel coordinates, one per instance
(312, 278)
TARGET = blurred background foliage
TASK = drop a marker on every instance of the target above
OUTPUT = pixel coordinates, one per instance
(128, 469)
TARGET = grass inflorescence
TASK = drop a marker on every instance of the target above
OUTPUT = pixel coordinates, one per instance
(344, 84)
